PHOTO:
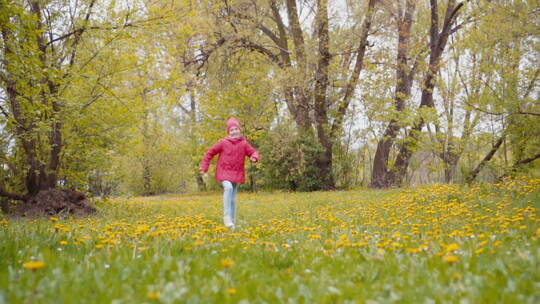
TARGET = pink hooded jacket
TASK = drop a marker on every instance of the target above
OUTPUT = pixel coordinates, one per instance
(232, 152)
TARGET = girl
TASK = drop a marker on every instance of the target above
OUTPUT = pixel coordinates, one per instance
(230, 166)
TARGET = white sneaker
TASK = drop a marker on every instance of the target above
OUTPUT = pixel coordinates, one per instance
(227, 221)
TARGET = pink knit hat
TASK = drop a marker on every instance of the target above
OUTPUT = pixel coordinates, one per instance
(232, 122)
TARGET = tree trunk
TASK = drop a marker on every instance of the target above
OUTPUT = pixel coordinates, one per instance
(472, 176)
(437, 45)
(519, 163)
(450, 165)
(404, 79)
(147, 178)
(379, 177)
(321, 84)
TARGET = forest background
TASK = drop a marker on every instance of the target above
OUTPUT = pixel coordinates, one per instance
(124, 97)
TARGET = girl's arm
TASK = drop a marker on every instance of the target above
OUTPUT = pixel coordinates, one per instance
(251, 152)
(205, 163)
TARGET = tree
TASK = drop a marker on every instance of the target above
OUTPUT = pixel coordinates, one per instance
(158, 152)
(458, 81)
(505, 37)
(405, 72)
(53, 73)
(37, 63)
(438, 38)
(305, 58)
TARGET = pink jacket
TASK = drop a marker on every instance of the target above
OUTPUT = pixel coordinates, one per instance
(230, 164)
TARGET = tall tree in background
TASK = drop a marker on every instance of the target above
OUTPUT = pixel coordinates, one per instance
(159, 144)
(39, 55)
(304, 59)
(506, 36)
(438, 37)
(405, 71)
(58, 60)
(450, 147)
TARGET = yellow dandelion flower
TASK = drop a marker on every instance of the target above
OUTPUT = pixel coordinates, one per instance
(99, 246)
(456, 276)
(231, 291)
(143, 228)
(153, 295)
(380, 251)
(53, 219)
(34, 265)
(227, 263)
(483, 243)
(63, 243)
(452, 247)
(412, 250)
(479, 250)
(450, 259)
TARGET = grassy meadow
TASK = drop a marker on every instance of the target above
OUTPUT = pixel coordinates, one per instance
(432, 244)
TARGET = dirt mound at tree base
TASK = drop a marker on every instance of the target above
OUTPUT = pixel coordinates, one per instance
(54, 202)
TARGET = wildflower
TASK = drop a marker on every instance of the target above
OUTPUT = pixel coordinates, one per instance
(153, 295)
(412, 250)
(380, 251)
(34, 265)
(53, 219)
(231, 291)
(479, 250)
(227, 263)
(396, 245)
(143, 228)
(450, 259)
(63, 243)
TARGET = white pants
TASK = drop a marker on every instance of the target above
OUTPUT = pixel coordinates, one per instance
(229, 203)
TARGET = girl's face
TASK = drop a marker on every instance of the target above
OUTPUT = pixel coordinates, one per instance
(234, 132)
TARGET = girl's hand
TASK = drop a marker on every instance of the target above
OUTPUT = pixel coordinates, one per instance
(202, 172)
(253, 159)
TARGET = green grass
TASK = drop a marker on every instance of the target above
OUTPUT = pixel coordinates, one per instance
(360, 246)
